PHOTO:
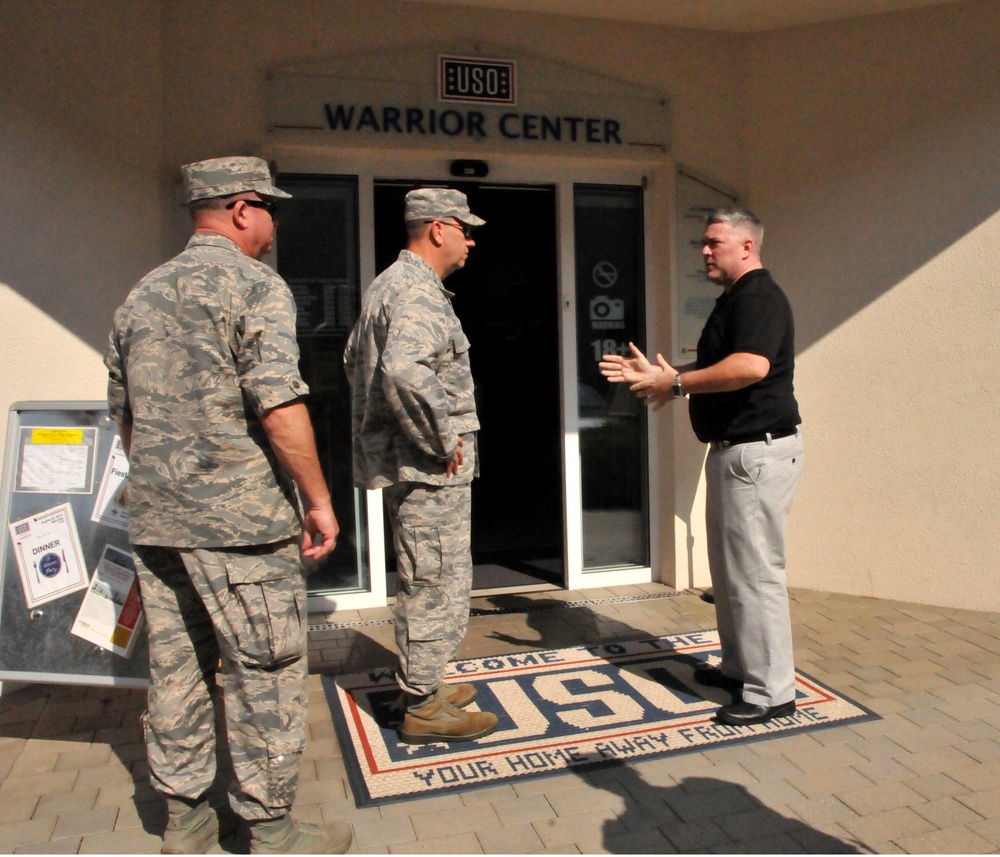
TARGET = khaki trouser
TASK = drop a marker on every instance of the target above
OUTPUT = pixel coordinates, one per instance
(245, 607)
(749, 493)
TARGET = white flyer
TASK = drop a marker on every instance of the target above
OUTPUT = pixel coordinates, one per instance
(111, 506)
(48, 554)
(111, 613)
(56, 460)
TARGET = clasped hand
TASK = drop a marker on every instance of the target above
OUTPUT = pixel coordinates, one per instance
(650, 382)
(457, 460)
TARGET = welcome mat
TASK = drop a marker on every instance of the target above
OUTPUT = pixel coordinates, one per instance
(559, 709)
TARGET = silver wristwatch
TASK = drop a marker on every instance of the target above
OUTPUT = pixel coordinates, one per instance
(678, 388)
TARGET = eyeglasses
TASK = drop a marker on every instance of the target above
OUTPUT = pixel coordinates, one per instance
(466, 229)
(270, 206)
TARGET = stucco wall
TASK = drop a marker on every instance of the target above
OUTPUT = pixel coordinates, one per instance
(874, 157)
(80, 180)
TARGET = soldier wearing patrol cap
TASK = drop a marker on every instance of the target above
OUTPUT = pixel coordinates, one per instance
(415, 423)
(205, 388)
(226, 177)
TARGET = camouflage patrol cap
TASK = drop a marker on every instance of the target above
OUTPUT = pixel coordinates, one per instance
(226, 176)
(432, 203)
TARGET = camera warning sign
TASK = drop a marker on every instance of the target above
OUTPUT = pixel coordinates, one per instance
(607, 313)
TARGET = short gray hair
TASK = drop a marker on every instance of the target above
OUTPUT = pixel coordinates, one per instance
(736, 216)
(415, 229)
(215, 203)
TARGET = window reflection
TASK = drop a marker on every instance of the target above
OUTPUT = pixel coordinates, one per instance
(610, 291)
(317, 250)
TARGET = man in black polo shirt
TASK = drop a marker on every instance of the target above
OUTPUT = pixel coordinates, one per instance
(743, 405)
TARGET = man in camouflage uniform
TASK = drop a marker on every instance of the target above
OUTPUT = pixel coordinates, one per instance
(205, 388)
(415, 421)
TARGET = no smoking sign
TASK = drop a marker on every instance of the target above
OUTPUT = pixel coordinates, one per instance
(604, 275)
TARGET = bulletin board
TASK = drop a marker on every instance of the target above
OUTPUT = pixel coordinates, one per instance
(70, 611)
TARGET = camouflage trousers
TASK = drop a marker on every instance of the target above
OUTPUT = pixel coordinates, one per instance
(431, 527)
(243, 609)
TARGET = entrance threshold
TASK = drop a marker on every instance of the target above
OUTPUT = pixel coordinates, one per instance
(504, 590)
(492, 579)
(512, 590)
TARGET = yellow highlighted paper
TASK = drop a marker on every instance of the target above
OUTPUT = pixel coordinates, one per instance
(62, 436)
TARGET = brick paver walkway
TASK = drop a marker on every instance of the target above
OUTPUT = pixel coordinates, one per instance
(924, 779)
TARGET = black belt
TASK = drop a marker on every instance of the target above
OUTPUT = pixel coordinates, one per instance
(752, 438)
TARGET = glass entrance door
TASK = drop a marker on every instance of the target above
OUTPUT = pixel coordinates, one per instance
(317, 254)
(610, 301)
(507, 299)
(557, 277)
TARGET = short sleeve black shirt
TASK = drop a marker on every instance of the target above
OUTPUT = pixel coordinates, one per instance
(755, 317)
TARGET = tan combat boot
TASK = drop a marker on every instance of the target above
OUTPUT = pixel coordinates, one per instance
(284, 836)
(439, 720)
(190, 830)
(458, 695)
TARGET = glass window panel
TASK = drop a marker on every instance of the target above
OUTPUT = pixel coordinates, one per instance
(317, 250)
(610, 292)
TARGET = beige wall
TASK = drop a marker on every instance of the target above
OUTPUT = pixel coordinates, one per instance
(869, 147)
(874, 157)
(80, 182)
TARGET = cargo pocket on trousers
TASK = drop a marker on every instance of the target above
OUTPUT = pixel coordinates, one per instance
(423, 560)
(423, 576)
(270, 606)
(283, 764)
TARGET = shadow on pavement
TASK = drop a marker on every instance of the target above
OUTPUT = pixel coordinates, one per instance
(703, 814)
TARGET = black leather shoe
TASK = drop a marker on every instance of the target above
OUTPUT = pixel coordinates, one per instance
(748, 713)
(714, 677)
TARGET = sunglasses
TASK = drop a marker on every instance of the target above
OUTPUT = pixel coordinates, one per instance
(270, 206)
(466, 229)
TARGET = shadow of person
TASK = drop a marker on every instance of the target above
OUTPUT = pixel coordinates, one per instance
(340, 647)
(703, 814)
(659, 815)
(557, 623)
(107, 724)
